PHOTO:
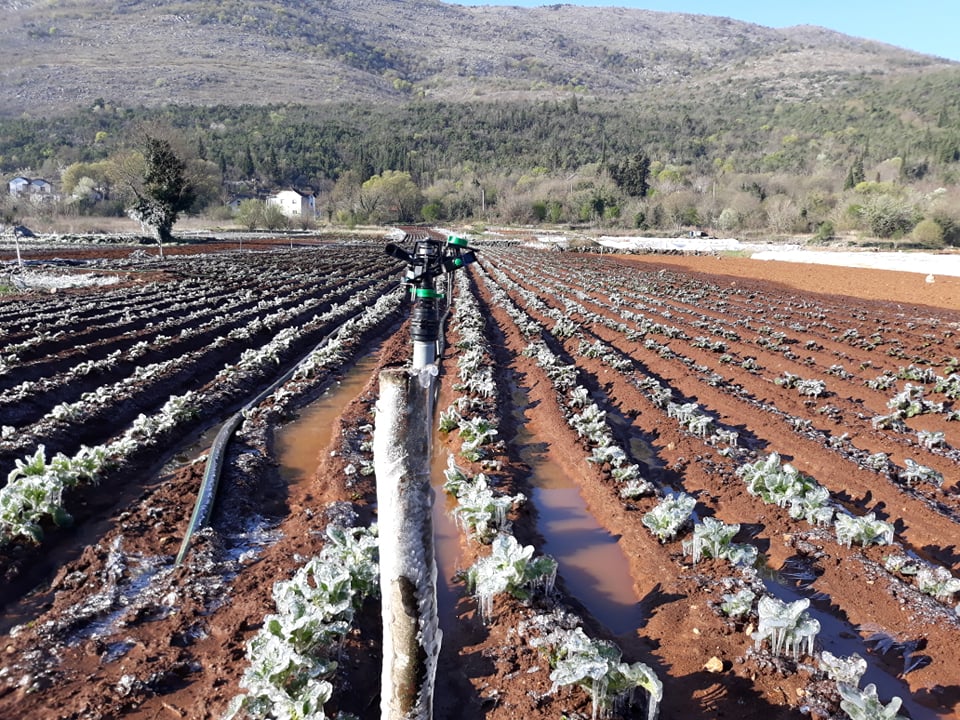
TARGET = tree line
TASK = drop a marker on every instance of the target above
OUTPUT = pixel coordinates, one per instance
(854, 163)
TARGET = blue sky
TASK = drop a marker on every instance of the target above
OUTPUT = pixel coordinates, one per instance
(927, 26)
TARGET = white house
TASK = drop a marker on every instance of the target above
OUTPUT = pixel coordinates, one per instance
(18, 185)
(295, 203)
(37, 190)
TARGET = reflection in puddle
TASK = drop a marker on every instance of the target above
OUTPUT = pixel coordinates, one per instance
(300, 442)
(592, 564)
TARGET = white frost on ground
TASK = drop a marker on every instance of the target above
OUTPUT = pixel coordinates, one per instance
(48, 281)
(916, 262)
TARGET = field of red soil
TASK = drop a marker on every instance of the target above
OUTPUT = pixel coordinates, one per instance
(796, 360)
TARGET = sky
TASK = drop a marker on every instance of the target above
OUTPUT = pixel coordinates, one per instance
(927, 26)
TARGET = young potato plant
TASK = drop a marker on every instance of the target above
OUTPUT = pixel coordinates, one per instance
(787, 487)
(34, 490)
(712, 538)
(786, 625)
(864, 530)
(915, 473)
(670, 515)
(479, 512)
(294, 652)
(865, 705)
(738, 604)
(596, 666)
(845, 670)
(510, 568)
(937, 582)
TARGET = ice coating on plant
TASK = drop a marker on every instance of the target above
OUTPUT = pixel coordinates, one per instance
(510, 568)
(596, 666)
(671, 514)
(865, 705)
(938, 582)
(863, 530)
(787, 487)
(292, 654)
(712, 538)
(786, 626)
(845, 670)
(479, 511)
(738, 603)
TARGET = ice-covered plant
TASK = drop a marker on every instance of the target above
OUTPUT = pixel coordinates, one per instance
(739, 603)
(293, 653)
(909, 402)
(476, 431)
(786, 626)
(596, 666)
(607, 454)
(901, 564)
(479, 511)
(846, 670)
(865, 705)
(931, 439)
(449, 419)
(510, 567)
(712, 538)
(938, 582)
(670, 514)
(863, 530)
(787, 487)
(915, 473)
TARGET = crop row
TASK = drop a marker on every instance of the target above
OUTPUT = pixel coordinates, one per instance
(561, 327)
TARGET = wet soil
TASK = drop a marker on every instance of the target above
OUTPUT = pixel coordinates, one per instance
(81, 644)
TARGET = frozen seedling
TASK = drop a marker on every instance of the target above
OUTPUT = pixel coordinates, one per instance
(787, 487)
(739, 603)
(937, 582)
(595, 665)
(865, 705)
(863, 530)
(671, 514)
(293, 653)
(843, 670)
(480, 512)
(712, 538)
(786, 625)
(510, 568)
(915, 473)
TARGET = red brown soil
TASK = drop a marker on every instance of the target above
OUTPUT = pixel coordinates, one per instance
(188, 662)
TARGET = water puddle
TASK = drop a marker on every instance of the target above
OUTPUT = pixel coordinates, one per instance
(300, 442)
(591, 562)
(446, 539)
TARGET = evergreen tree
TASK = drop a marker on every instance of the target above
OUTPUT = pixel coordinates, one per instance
(164, 191)
(632, 175)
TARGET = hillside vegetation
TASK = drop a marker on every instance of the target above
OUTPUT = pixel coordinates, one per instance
(493, 113)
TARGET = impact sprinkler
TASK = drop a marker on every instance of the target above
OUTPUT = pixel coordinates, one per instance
(429, 259)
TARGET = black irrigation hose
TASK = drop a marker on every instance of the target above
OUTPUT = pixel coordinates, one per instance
(211, 475)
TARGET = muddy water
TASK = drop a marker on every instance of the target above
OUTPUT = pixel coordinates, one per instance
(592, 565)
(300, 442)
(446, 537)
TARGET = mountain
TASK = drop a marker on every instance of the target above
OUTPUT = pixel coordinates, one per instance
(59, 55)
